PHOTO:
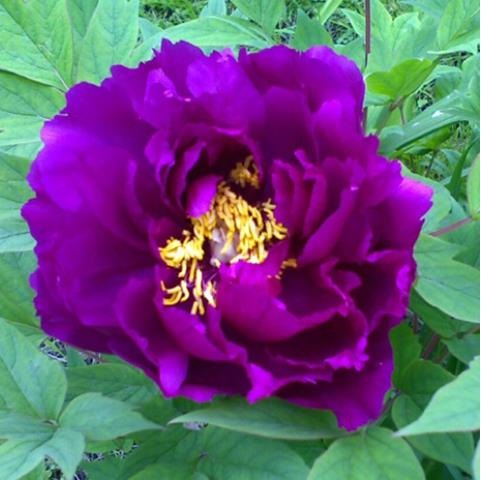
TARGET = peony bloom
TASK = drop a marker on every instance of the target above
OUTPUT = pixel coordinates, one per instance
(225, 225)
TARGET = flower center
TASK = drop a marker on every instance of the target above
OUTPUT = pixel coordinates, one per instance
(231, 230)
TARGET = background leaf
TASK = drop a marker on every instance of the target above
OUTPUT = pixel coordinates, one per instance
(374, 454)
(453, 408)
(272, 418)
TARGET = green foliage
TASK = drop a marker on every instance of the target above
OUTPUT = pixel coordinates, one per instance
(423, 92)
(372, 454)
(269, 418)
(453, 408)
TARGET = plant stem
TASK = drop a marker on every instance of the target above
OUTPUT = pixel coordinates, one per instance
(452, 227)
(430, 348)
(367, 30)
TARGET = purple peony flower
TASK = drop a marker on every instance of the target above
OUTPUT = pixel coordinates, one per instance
(225, 225)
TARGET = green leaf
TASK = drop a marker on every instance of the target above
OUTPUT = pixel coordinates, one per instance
(217, 455)
(402, 80)
(218, 31)
(16, 296)
(453, 408)
(271, 418)
(451, 448)
(110, 38)
(309, 32)
(422, 379)
(80, 12)
(327, 10)
(373, 454)
(266, 13)
(24, 105)
(476, 463)
(450, 286)
(442, 113)
(30, 383)
(207, 31)
(214, 7)
(464, 349)
(120, 382)
(20, 456)
(101, 418)
(459, 27)
(36, 42)
(438, 321)
(14, 192)
(473, 189)
(406, 349)
(442, 201)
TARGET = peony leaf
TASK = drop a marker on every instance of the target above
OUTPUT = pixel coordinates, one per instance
(459, 27)
(327, 10)
(29, 441)
(24, 105)
(212, 454)
(14, 192)
(266, 13)
(451, 448)
(30, 383)
(101, 418)
(402, 80)
(271, 418)
(120, 382)
(453, 408)
(80, 12)
(438, 321)
(16, 296)
(110, 38)
(464, 349)
(309, 32)
(373, 454)
(36, 42)
(406, 349)
(451, 286)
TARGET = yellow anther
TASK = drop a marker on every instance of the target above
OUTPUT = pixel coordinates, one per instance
(233, 229)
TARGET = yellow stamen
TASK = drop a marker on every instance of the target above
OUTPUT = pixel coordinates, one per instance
(234, 229)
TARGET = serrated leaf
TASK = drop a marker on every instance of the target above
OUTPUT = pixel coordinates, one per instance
(451, 448)
(14, 192)
(374, 454)
(473, 189)
(30, 383)
(110, 38)
(266, 13)
(271, 418)
(19, 457)
(406, 349)
(35, 41)
(402, 80)
(453, 408)
(101, 418)
(309, 32)
(120, 382)
(451, 286)
(80, 12)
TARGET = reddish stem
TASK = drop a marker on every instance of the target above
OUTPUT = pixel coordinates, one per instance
(452, 227)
